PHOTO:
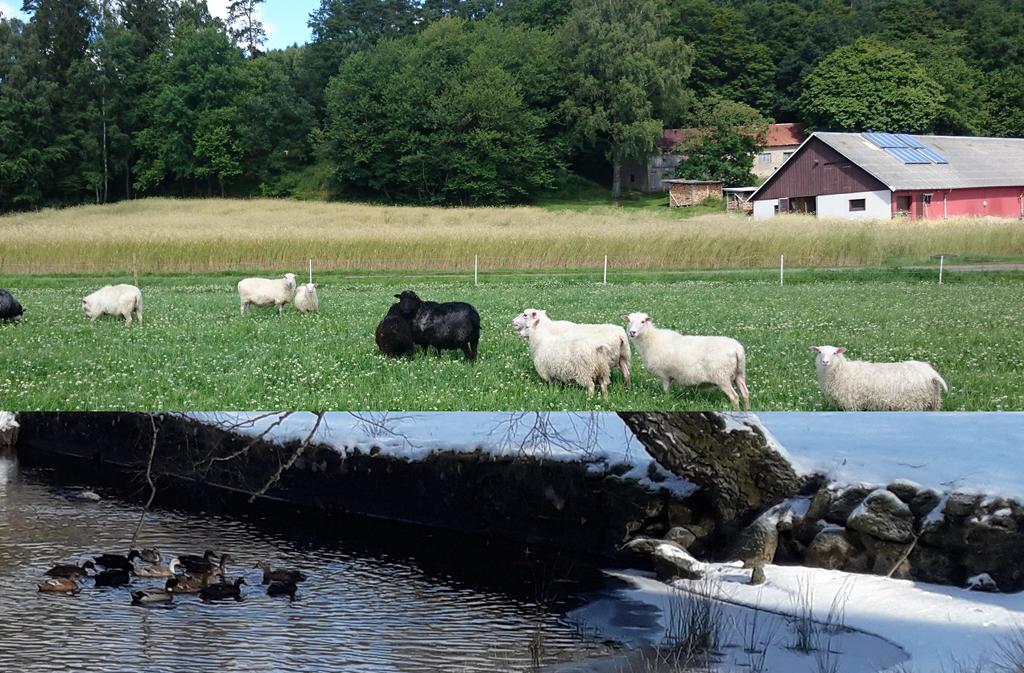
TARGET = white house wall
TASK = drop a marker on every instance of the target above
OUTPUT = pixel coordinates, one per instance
(765, 207)
(877, 206)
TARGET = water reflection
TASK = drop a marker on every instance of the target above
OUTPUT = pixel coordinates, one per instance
(365, 608)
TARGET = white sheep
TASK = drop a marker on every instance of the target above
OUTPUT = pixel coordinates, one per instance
(690, 360)
(569, 359)
(306, 299)
(122, 300)
(856, 385)
(267, 292)
(612, 336)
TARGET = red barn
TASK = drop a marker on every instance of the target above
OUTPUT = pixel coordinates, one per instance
(881, 175)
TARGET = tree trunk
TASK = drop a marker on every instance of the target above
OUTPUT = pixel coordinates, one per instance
(737, 471)
(616, 178)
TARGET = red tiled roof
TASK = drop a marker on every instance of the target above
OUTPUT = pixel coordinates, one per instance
(779, 135)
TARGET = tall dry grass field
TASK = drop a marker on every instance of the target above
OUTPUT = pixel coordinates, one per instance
(194, 236)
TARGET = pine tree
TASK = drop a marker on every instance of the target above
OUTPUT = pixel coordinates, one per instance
(245, 26)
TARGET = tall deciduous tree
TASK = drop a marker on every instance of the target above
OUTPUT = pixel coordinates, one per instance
(869, 85)
(624, 76)
(245, 25)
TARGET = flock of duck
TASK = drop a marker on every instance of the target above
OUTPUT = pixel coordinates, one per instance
(203, 575)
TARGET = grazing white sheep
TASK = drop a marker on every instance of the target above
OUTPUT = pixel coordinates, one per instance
(569, 359)
(266, 292)
(306, 299)
(612, 336)
(122, 300)
(690, 360)
(856, 385)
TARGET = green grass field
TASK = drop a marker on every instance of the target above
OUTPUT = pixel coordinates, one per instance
(195, 352)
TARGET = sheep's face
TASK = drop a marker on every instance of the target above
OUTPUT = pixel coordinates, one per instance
(86, 305)
(408, 302)
(290, 277)
(637, 323)
(827, 354)
(525, 320)
(310, 288)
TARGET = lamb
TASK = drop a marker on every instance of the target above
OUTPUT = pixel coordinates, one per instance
(450, 325)
(575, 359)
(267, 292)
(690, 360)
(306, 299)
(10, 309)
(856, 385)
(612, 336)
(394, 334)
(116, 300)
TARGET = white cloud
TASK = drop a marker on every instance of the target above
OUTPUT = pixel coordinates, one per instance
(7, 10)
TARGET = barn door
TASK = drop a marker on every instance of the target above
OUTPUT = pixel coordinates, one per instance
(783, 205)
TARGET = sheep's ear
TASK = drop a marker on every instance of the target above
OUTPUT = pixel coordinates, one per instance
(840, 350)
(625, 318)
(647, 319)
(815, 349)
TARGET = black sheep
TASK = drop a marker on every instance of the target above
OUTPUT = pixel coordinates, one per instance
(394, 334)
(449, 325)
(10, 309)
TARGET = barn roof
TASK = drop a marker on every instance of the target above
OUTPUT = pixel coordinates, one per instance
(973, 162)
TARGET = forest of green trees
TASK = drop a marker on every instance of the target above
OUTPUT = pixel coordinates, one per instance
(469, 102)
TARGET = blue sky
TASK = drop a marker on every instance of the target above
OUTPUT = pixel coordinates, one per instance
(285, 20)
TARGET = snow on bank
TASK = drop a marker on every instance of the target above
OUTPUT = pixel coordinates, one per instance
(976, 452)
(931, 624)
(601, 440)
(8, 421)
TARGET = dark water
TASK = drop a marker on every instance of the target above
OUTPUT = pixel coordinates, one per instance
(373, 603)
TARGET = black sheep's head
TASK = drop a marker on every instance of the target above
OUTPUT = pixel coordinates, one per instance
(408, 302)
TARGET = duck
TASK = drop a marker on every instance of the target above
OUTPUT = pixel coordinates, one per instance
(282, 575)
(112, 577)
(150, 555)
(219, 592)
(169, 570)
(198, 564)
(191, 584)
(71, 571)
(282, 589)
(118, 561)
(147, 596)
(59, 585)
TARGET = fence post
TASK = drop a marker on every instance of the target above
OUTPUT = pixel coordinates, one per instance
(605, 281)
(135, 270)
(782, 269)
(476, 269)
(942, 259)
(310, 269)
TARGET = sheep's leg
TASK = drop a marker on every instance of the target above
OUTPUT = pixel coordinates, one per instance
(127, 318)
(666, 384)
(624, 366)
(467, 350)
(590, 388)
(604, 388)
(741, 382)
(138, 315)
(474, 344)
(245, 307)
(734, 399)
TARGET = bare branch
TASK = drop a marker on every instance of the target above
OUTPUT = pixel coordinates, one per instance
(291, 460)
(206, 464)
(149, 480)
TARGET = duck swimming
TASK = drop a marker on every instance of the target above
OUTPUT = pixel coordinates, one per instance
(198, 564)
(219, 592)
(148, 596)
(70, 571)
(282, 589)
(150, 555)
(118, 561)
(112, 577)
(282, 575)
(169, 570)
(59, 585)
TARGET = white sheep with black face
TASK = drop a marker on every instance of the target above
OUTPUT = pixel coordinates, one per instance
(267, 292)
(115, 300)
(690, 360)
(856, 385)
(612, 336)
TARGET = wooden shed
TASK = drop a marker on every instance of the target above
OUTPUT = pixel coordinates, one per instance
(738, 198)
(692, 192)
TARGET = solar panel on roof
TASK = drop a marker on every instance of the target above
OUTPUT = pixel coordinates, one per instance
(908, 155)
(932, 155)
(909, 141)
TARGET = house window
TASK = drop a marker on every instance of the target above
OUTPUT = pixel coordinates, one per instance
(857, 205)
(786, 155)
(765, 157)
(903, 204)
(927, 199)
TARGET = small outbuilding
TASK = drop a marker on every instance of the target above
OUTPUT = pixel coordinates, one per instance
(691, 192)
(882, 175)
(738, 198)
